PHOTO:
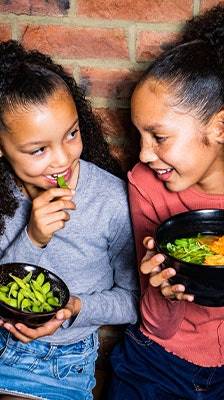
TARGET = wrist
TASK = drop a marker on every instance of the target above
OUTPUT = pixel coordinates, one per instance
(77, 306)
(41, 245)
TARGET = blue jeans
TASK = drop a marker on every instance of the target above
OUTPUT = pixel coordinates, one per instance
(143, 370)
(47, 371)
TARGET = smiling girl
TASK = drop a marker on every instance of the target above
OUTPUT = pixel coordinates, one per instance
(82, 233)
(177, 352)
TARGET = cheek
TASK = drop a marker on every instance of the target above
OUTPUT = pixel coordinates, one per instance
(31, 167)
(76, 150)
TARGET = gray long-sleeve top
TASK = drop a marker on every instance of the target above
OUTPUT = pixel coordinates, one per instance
(93, 253)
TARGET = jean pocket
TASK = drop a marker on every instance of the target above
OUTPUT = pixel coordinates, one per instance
(66, 365)
(76, 362)
(11, 357)
(75, 365)
(14, 355)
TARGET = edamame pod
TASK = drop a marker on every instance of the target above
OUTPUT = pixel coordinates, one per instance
(40, 279)
(61, 182)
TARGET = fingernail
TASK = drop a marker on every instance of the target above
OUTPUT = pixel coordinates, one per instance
(60, 315)
(8, 326)
(159, 258)
(171, 271)
(180, 288)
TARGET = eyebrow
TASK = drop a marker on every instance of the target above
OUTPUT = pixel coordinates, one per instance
(38, 142)
(152, 128)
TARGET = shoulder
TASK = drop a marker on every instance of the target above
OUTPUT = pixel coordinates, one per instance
(111, 194)
(105, 184)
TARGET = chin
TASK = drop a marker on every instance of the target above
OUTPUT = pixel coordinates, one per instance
(172, 187)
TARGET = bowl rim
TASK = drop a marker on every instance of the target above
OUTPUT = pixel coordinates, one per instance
(165, 253)
(32, 313)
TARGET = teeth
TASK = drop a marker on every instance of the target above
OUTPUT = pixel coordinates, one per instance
(56, 175)
(62, 174)
(163, 171)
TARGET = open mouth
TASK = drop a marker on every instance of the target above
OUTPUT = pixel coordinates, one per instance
(53, 177)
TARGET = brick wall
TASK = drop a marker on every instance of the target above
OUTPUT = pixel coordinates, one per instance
(105, 44)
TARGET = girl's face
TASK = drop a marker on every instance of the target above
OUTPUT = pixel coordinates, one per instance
(174, 143)
(43, 140)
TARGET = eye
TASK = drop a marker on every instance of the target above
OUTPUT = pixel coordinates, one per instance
(73, 134)
(38, 152)
(160, 139)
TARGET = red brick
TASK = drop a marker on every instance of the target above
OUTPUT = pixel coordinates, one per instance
(141, 10)
(150, 44)
(35, 7)
(76, 42)
(205, 4)
(5, 32)
(108, 83)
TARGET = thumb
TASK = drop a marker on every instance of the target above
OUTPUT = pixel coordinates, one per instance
(63, 314)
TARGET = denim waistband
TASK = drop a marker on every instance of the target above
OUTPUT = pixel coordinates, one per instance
(47, 350)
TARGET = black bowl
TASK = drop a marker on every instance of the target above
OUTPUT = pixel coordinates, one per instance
(32, 319)
(205, 282)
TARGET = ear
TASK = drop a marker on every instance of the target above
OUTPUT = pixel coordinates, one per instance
(216, 127)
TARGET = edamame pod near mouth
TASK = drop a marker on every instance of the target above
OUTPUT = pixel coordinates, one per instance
(62, 183)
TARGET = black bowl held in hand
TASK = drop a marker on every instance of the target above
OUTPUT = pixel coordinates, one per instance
(39, 305)
(205, 282)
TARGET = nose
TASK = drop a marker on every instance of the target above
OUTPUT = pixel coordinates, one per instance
(60, 158)
(147, 152)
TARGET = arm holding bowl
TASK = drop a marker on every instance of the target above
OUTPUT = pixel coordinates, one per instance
(158, 308)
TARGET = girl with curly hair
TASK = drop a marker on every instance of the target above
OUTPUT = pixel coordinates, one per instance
(177, 351)
(82, 233)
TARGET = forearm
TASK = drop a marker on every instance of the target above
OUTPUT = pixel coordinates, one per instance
(114, 306)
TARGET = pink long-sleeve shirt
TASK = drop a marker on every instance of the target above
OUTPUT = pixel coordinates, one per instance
(188, 330)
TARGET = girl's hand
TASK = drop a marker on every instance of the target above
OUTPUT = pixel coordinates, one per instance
(151, 265)
(26, 334)
(49, 214)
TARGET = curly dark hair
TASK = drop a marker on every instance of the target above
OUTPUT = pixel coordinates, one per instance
(193, 66)
(30, 77)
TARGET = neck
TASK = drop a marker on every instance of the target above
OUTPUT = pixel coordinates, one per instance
(211, 186)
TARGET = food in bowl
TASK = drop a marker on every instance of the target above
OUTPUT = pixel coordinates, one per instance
(204, 281)
(48, 284)
(29, 294)
(202, 249)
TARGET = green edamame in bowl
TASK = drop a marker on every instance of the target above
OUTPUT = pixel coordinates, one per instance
(30, 294)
